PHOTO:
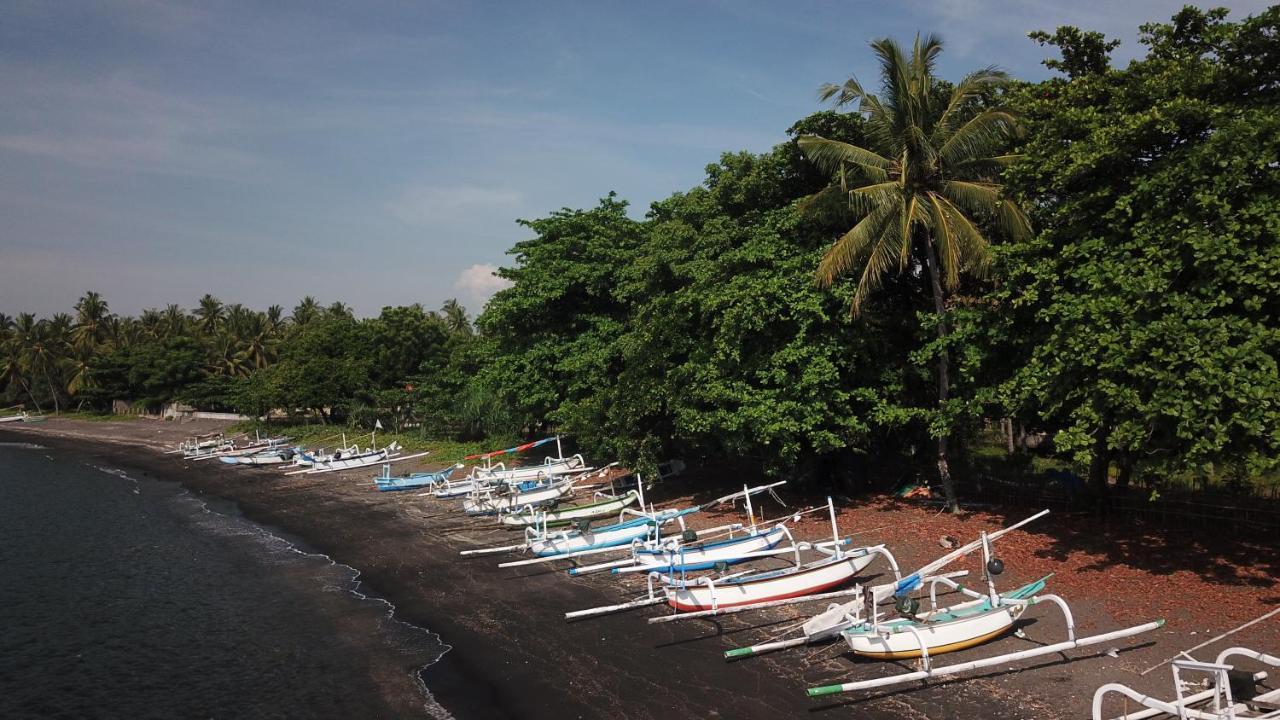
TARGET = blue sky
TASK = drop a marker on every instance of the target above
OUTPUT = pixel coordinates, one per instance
(379, 152)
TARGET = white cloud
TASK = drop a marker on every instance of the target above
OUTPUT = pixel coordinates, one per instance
(435, 205)
(478, 283)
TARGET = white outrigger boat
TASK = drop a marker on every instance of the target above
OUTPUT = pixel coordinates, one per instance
(1219, 702)
(350, 461)
(208, 441)
(602, 505)
(229, 448)
(837, 618)
(492, 501)
(549, 468)
(20, 417)
(943, 630)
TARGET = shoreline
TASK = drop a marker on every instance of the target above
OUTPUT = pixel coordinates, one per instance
(513, 655)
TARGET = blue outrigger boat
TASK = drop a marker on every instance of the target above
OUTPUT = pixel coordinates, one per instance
(386, 483)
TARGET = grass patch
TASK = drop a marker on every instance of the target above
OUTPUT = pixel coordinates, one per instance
(90, 416)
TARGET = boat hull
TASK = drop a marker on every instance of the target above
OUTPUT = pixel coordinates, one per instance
(573, 542)
(708, 555)
(893, 642)
(417, 480)
(564, 516)
(807, 580)
(507, 503)
(531, 472)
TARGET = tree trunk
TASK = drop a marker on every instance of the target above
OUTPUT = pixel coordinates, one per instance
(944, 379)
(1007, 425)
(30, 395)
(1124, 475)
(1100, 465)
(57, 410)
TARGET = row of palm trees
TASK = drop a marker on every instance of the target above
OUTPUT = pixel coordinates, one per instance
(52, 359)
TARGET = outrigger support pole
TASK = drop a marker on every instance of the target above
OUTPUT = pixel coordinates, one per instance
(614, 608)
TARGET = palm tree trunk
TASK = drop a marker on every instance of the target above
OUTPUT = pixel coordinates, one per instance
(56, 409)
(944, 375)
(30, 395)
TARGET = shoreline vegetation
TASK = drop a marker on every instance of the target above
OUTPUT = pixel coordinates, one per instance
(1082, 273)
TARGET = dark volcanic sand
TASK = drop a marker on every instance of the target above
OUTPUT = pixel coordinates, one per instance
(513, 654)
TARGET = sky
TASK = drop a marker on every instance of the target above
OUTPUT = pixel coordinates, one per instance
(380, 153)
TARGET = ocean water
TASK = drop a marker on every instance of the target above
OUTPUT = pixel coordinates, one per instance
(126, 597)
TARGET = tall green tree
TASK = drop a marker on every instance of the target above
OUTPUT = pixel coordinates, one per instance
(209, 315)
(925, 189)
(1147, 309)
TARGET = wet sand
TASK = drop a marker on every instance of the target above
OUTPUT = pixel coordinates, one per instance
(513, 654)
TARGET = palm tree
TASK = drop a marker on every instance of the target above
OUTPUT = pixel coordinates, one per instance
(275, 319)
(305, 311)
(150, 323)
(42, 352)
(339, 309)
(92, 314)
(455, 317)
(209, 315)
(921, 188)
(257, 341)
(122, 332)
(174, 321)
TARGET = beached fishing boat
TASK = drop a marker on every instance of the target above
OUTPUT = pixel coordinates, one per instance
(691, 557)
(348, 461)
(450, 489)
(966, 625)
(837, 618)
(271, 456)
(707, 549)
(1233, 692)
(207, 441)
(230, 448)
(623, 533)
(487, 501)
(941, 630)
(708, 593)
(209, 452)
(13, 418)
(386, 483)
(603, 506)
(549, 468)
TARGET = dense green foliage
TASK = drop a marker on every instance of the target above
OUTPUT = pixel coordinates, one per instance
(1135, 323)
(319, 363)
(1145, 310)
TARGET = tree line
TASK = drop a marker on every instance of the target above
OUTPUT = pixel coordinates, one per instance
(1093, 257)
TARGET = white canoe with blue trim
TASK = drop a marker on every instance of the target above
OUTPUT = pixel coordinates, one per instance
(944, 630)
(806, 579)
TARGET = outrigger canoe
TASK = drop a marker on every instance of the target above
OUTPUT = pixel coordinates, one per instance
(610, 505)
(944, 630)
(386, 482)
(797, 581)
(488, 503)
